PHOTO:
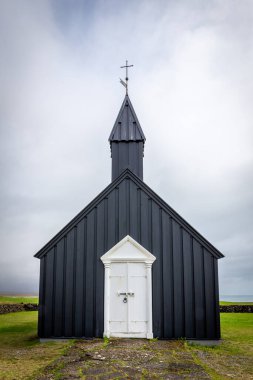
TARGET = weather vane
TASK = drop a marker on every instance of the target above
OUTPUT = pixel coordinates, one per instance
(125, 84)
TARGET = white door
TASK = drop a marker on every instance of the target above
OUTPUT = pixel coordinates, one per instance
(128, 290)
(128, 300)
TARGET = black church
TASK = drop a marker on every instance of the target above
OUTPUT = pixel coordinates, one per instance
(128, 265)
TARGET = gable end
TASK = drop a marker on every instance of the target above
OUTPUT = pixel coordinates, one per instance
(123, 217)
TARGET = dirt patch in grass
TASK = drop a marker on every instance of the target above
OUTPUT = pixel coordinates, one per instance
(23, 357)
(125, 359)
(157, 359)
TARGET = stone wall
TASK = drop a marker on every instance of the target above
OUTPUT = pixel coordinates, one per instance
(236, 309)
(11, 308)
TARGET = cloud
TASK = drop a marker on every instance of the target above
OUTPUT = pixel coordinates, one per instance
(191, 88)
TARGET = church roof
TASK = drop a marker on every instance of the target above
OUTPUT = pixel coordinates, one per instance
(129, 175)
(127, 126)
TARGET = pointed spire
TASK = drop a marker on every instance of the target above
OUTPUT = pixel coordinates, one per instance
(127, 142)
(127, 126)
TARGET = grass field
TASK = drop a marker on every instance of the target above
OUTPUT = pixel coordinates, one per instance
(21, 353)
(18, 299)
(235, 303)
(23, 357)
(233, 358)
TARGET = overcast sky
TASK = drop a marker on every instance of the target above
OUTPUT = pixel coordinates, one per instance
(191, 87)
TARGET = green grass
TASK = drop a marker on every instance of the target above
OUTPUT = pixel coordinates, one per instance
(18, 299)
(237, 333)
(223, 303)
(18, 329)
(234, 356)
(21, 353)
(22, 356)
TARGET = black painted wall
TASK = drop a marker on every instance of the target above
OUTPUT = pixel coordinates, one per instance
(185, 276)
(127, 155)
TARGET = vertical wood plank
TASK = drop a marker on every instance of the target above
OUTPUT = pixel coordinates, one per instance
(113, 222)
(188, 286)
(84, 276)
(41, 314)
(99, 291)
(69, 284)
(49, 262)
(199, 290)
(122, 209)
(89, 307)
(209, 296)
(217, 306)
(133, 211)
(79, 295)
(168, 281)
(178, 281)
(145, 221)
(155, 249)
(59, 289)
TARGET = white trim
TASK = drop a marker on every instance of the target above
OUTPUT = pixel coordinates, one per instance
(130, 335)
(149, 301)
(107, 301)
(110, 256)
(141, 255)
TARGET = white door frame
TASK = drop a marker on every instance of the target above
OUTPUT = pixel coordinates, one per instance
(114, 255)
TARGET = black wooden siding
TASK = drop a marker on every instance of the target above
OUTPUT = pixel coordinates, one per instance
(127, 155)
(185, 277)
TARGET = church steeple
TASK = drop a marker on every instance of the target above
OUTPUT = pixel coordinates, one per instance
(127, 142)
